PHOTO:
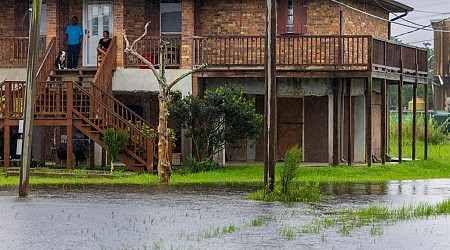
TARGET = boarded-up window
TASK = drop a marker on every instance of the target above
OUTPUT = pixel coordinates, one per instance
(291, 16)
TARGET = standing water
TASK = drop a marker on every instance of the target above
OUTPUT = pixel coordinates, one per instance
(212, 217)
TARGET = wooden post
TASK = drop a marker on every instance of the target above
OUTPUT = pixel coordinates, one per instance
(335, 88)
(7, 146)
(414, 128)
(270, 107)
(150, 166)
(383, 121)
(91, 154)
(24, 185)
(43, 137)
(69, 157)
(369, 121)
(400, 119)
(349, 125)
(103, 157)
(425, 139)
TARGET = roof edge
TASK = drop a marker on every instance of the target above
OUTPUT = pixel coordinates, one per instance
(397, 6)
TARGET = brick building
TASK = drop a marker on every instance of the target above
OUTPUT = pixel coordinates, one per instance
(333, 62)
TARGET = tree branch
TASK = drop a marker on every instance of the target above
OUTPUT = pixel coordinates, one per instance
(186, 74)
(131, 50)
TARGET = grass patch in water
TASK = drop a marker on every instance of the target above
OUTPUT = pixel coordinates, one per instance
(287, 233)
(298, 193)
(376, 216)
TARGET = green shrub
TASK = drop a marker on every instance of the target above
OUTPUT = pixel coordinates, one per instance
(292, 160)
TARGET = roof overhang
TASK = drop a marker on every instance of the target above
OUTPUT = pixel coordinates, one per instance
(395, 6)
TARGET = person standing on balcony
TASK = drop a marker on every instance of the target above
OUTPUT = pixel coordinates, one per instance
(74, 39)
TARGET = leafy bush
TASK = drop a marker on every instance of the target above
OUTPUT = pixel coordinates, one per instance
(152, 133)
(115, 141)
(191, 165)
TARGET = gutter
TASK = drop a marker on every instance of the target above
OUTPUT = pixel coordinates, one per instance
(392, 20)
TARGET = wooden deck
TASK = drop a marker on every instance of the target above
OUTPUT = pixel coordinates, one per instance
(312, 57)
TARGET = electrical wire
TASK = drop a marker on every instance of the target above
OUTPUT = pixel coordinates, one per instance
(386, 20)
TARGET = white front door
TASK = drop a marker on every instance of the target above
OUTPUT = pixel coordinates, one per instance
(98, 18)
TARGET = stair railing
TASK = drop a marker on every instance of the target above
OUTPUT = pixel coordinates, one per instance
(104, 74)
(100, 116)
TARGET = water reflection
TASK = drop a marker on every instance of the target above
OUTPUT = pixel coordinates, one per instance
(186, 217)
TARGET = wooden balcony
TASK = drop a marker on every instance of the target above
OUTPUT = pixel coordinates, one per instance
(322, 55)
(14, 51)
(149, 49)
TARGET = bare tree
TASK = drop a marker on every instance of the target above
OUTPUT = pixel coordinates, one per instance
(164, 166)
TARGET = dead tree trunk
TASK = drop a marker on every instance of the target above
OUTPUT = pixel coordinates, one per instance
(164, 165)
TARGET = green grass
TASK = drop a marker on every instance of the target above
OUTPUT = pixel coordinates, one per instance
(375, 216)
(438, 166)
(306, 192)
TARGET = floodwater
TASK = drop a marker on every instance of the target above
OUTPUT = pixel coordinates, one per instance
(210, 217)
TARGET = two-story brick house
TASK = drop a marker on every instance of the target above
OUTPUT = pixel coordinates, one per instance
(325, 50)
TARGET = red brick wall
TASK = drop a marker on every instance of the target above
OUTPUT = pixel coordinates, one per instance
(233, 17)
(7, 18)
(357, 23)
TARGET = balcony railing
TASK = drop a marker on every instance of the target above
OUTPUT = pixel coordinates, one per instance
(149, 49)
(308, 53)
(14, 51)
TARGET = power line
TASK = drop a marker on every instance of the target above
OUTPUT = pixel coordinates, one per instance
(428, 40)
(386, 20)
(417, 29)
(426, 5)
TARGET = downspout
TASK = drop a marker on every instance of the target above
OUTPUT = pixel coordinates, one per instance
(395, 19)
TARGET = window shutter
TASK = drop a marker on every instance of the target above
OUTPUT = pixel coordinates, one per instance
(300, 16)
(282, 8)
(197, 27)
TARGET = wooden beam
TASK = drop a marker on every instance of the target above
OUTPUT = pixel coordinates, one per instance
(335, 88)
(400, 119)
(350, 122)
(69, 157)
(7, 146)
(383, 121)
(369, 121)
(270, 107)
(91, 154)
(32, 64)
(425, 140)
(414, 128)
(42, 139)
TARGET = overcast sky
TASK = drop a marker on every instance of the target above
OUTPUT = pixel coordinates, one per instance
(440, 6)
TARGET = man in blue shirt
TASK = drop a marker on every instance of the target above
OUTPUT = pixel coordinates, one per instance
(74, 39)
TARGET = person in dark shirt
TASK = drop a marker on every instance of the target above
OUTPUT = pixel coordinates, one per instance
(104, 43)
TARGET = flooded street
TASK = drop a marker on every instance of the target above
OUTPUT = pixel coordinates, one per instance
(211, 217)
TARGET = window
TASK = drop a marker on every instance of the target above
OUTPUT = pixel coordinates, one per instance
(43, 24)
(170, 16)
(291, 15)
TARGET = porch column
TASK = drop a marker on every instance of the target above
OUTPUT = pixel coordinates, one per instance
(335, 88)
(69, 157)
(369, 121)
(350, 125)
(7, 146)
(119, 16)
(384, 123)
(187, 32)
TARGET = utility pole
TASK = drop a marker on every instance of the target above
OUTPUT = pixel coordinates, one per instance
(270, 106)
(24, 185)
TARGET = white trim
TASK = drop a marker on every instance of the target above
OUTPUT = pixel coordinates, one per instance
(85, 25)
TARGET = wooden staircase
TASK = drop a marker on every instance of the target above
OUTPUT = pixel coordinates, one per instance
(82, 98)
